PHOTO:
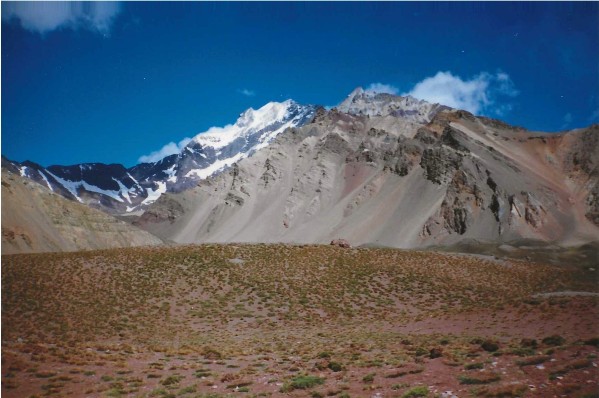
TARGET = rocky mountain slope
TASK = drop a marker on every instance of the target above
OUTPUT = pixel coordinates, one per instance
(35, 219)
(370, 103)
(119, 190)
(375, 173)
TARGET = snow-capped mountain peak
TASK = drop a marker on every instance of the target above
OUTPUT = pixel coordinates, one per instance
(357, 91)
(220, 147)
(266, 114)
(371, 103)
(250, 121)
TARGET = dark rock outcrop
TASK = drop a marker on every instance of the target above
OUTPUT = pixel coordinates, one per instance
(440, 163)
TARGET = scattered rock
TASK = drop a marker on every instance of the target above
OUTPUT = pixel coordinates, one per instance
(233, 200)
(507, 248)
(448, 394)
(341, 243)
(435, 353)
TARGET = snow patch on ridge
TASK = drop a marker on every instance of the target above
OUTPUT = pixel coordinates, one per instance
(153, 195)
(215, 167)
(171, 174)
(47, 182)
(93, 188)
(73, 186)
(123, 190)
(68, 185)
(134, 180)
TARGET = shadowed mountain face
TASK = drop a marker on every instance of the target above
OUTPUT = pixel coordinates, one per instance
(34, 219)
(373, 176)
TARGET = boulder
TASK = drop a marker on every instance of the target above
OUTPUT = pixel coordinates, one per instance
(341, 243)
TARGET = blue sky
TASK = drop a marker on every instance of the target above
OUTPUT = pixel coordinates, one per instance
(111, 82)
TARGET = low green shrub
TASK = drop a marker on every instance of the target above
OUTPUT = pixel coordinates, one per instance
(554, 340)
(420, 391)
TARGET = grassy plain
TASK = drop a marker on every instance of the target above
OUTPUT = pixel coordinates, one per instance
(304, 320)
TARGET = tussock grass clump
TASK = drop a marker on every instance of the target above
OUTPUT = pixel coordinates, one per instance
(536, 360)
(505, 390)
(475, 365)
(369, 378)
(187, 390)
(528, 343)
(45, 374)
(410, 369)
(489, 346)
(420, 391)
(335, 366)
(239, 385)
(202, 373)
(479, 378)
(554, 340)
(594, 341)
(522, 351)
(161, 392)
(570, 366)
(170, 380)
(302, 382)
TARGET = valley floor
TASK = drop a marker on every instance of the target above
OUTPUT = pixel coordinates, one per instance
(305, 320)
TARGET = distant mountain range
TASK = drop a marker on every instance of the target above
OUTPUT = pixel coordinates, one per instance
(119, 190)
(378, 169)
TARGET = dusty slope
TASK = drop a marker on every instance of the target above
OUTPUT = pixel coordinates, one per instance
(389, 181)
(34, 219)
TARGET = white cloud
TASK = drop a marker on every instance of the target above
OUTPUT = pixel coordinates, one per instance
(479, 94)
(247, 93)
(46, 16)
(382, 88)
(169, 149)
